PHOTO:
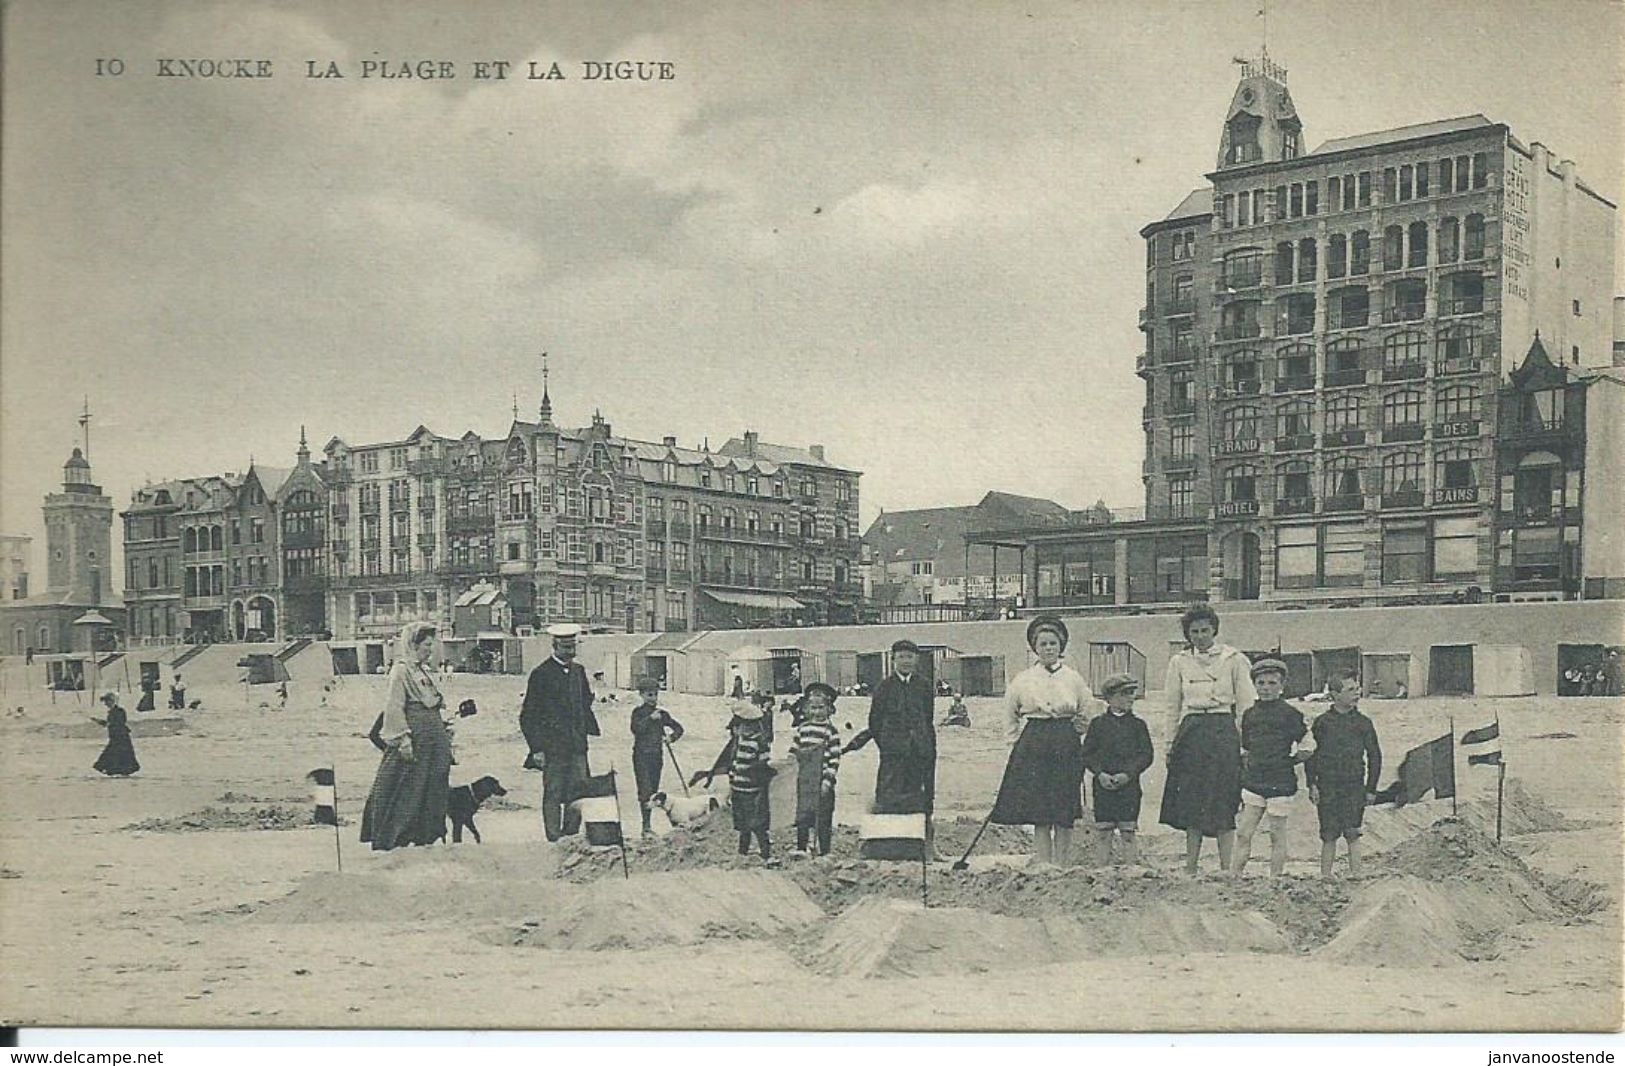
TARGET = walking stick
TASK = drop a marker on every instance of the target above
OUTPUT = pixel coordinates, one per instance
(676, 765)
(964, 860)
(620, 834)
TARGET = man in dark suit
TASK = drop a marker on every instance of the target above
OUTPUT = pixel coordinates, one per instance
(902, 723)
(557, 719)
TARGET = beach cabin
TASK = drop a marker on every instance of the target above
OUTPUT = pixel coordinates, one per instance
(1480, 670)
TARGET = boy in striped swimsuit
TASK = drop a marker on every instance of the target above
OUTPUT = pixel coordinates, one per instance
(745, 759)
(818, 758)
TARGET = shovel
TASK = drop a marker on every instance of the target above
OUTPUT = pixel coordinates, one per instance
(964, 860)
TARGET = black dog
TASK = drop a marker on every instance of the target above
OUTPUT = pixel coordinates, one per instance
(463, 800)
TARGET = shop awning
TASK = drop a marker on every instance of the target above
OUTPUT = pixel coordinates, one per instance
(767, 601)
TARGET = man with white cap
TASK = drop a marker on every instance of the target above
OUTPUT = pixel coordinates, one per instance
(557, 719)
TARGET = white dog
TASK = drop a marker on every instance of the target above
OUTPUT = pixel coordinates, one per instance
(689, 810)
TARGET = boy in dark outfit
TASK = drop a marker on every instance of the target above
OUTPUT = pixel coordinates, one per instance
(650, 728)
(1117, 750)
(1270, 731)
(1342, 773)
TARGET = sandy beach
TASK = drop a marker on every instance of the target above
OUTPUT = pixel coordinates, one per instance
(197, 893)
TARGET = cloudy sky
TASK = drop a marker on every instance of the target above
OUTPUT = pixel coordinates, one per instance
(905, 231)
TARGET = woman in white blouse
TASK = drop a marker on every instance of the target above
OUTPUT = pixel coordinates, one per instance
(1208, 686)
(1046, 710)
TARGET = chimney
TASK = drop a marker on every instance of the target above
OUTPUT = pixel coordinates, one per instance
(670, 442)
(752, 438)
(817, 452)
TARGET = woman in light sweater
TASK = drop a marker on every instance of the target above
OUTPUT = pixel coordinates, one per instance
(407, 804)
(1046, 710)
(1209, 685)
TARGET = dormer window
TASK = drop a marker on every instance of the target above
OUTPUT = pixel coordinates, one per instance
(1244, 146)
(1289, 144)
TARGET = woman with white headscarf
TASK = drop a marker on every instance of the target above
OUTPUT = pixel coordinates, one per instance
(407, 804)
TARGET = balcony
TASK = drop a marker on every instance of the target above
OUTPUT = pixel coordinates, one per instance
(1407, 431)
(1142, 363)
(1343, 438)
(1467, 305)
(1404, 313)
(1180, 407)
(1350, 320)
(1145, 316)
(1295, 383)
(1246, 446)
(1243, 279)
(1405, 371)
(1462, 494)
(1181, 354)
(1235, 508)
(1291, 505)
(1172, 463)
(1296, 442)
(1457, 429)
(1400, 500)
(1239, 331)
(1148, 412)
(1344, 503)
(468, 523)
(1448, 367)
(1187, 306)
(1534, 431)
(301, 540)
(1241, 387)
(512, 567)
(1337, 379)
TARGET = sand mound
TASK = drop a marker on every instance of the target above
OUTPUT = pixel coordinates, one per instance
(1521, 812)
(897, 938)
(676, 908)
(347, 897)
(272, 816)
(1407, 922)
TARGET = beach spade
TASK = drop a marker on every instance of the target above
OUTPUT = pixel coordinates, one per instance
(964, 860)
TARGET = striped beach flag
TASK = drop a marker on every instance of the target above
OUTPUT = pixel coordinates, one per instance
(1482, 746)
(600, 810)
(899, 837)
(321, 793)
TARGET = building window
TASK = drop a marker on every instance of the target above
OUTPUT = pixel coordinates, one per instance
(1295, 420)
(1182, 294)
(1343, 478)
(1455, 548)
(1295, 365)
(1241, 484)
(1296, 551)
(1307, 259)
(1418, 245)
(1243, 268)
(1180, 496)
(1241, 372)
(1334, 191)
(1295, 314)
(1311, 198)
(1389, 186)
(1292, 481)
(1296, 200)
(1447, 170)
(1404, 554)
(1459, 403)
(1422, 179)
(1344, 412)
(1365, 188)
(1393, 247)
(1360, 253)
(1182, 398)
(1449, 240)
(1337, 251)
(1481, 169)
(1401, 473)
(1401, 409)
(1244, 203)
(1406, 185)
(1350, 307)
(1403, 350)
(1283, 263)
(1343, 556)
(1180, 441)
(1240, 424)
(1453, 468)
(1473, 243)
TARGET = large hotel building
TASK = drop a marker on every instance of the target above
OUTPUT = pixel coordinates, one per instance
(1367, 375)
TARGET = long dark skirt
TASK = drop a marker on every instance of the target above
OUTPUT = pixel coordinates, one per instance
(1043, 781)
(407, 804)
(118, 758)
(1203, 790)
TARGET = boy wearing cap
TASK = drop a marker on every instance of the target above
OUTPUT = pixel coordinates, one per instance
(1270, 732)
(1117, 750)
(652, 728)
(903, 724)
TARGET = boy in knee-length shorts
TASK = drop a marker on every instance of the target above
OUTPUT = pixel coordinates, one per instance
(1343, 771)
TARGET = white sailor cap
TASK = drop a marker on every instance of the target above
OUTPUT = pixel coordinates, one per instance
(564, 629)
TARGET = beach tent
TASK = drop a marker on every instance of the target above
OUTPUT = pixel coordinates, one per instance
(755, 664)
(871, 668)
(840, 669)
(681, 664)
(262, 669)
(1386, 675)
(1324, 662)
(1480, 669)
(344, 660)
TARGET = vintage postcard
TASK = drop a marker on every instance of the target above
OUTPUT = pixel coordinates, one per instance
(1016, 516)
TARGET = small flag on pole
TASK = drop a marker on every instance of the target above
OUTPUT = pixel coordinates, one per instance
(1483, 746)
(1426, 767)
(600, 810)
(321, 793)
(899, 837)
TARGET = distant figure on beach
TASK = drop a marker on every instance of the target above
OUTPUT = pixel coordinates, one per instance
(177, 694)
(958, 713)
(147, 701)
(407, 804)
(118, 758)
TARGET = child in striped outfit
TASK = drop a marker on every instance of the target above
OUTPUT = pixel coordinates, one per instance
(745, 759)
(818, 758)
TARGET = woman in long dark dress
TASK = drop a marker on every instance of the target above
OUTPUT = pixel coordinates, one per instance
(1046, 709)
(407, 804)
(1209, 685)
(118, 758)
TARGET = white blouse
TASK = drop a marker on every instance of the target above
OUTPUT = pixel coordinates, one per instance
(1037, 692)
(1218, 680)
